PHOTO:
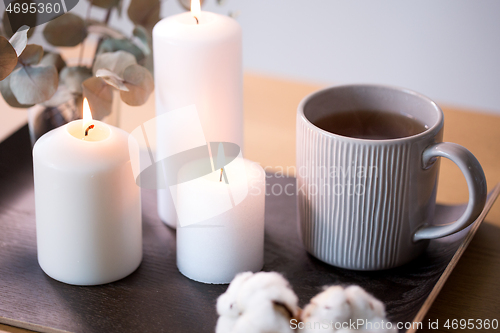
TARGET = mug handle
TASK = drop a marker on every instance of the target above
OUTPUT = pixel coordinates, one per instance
(476, 182)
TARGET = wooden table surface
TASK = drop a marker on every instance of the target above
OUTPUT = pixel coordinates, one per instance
(473, 289)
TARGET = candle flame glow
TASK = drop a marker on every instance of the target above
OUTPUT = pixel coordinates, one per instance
(195, 7)
(87, 115)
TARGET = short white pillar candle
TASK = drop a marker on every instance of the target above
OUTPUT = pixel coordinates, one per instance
(229, 238)
(88, 207)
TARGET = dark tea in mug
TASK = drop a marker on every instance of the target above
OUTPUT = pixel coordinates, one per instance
(368, 124)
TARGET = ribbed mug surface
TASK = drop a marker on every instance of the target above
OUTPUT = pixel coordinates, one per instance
(360, 201)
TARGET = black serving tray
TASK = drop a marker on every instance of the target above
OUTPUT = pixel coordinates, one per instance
(156, 297)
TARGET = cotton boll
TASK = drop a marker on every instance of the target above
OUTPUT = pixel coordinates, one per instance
(225, 324)
(226, 303)
(339, 305)
(331, 306)
(364, 305)
(263, 280)
(263, 316)
(257, 303)
(272, 286)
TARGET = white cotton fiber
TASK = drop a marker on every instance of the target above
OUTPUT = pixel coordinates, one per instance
(257, 303)
(225, 324)
(340, 307)
(226, 303)
(364, 305)
(265, 303)
(331, 304)
(263, 315)
(272, 286)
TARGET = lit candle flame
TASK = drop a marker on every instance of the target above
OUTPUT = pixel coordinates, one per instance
(195, 7)
(87, 115)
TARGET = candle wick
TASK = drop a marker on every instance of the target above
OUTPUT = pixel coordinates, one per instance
(221, 170)
(197, 22)
(87, 130)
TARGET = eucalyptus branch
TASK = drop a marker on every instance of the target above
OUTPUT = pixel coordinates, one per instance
(108, 15)
(82, 46)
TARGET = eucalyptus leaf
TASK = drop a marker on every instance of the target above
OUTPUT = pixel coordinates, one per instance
(144, 12)
(114, 61)
(139, 82)
(149, 64)
(187, 4)
(34, 84)
(20, 39)
(7, 29)
(142, 39)
(62, 95)
(55, 59)
(106, 4)
(31, 55)
(113, 45)
(73, 77)
(8, 96)
(111, 78)
(99, 95)
(8, 58)
(66, 30)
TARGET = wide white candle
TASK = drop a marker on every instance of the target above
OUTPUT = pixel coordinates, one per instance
(198, 61)
(88, 208)
(221, 225)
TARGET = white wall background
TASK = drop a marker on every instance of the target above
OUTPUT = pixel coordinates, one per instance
(446, 49)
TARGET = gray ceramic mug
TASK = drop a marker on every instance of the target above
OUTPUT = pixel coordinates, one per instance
(369, 204)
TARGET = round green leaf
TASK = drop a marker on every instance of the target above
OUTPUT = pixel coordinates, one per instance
(34, 84)
(73, 77)
(99, 95)
(139, 82)
(114, 61)
(144, 12)
(62, 95)
(8, 58)
(111, 78)
(142, 39)
(54, 59)
(66, 30)
(141, 33)
(31, 55)
(113, 45)
(106, 4)
(8, 96)
(20, 39)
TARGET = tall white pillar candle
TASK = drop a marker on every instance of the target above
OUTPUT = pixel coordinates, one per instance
(88, 208)
(221, 225)
(198, 61)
